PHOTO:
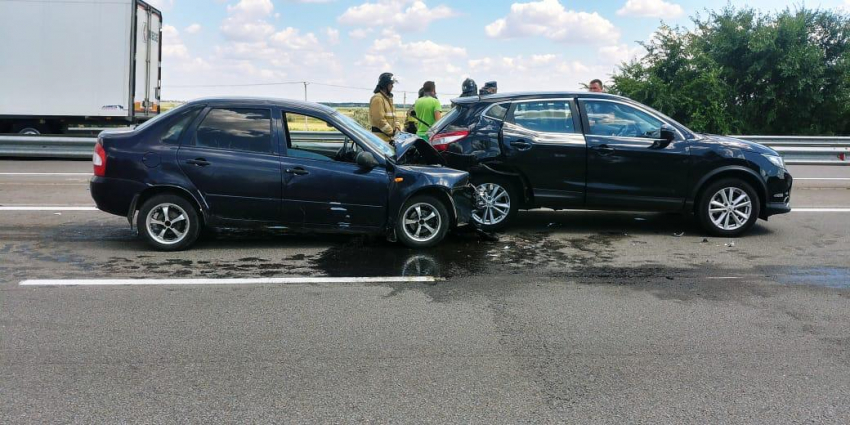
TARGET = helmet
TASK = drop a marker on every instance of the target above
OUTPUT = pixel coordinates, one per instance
(385, 80)
(469, 88)
(489, 88)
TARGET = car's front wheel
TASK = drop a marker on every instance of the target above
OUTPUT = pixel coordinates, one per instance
(500, 202)
(423, 222)
(728, 208)
(168, 222)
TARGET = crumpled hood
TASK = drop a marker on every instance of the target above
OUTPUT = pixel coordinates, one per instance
(740, 144)
(404, 141)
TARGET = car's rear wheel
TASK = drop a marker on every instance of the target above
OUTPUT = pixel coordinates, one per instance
(168, 222)
(500, 202)
(423, 222)
(728, 208)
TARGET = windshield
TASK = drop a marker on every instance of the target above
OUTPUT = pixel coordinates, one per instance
(366, 136)
(161, 116)
(687, 132)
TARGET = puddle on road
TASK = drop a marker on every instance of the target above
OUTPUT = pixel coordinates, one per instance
(827, 277)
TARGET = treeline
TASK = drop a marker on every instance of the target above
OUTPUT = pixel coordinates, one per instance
(743, 72)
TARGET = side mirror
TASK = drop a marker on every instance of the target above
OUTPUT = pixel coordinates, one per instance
(668, 134)
(366, 160)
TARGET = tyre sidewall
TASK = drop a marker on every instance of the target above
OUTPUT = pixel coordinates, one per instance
(445, 221)
(513, 193)
(192, 213)
(705, 200)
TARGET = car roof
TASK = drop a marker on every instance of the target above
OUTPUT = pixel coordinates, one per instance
(508, 97)
(266, 101)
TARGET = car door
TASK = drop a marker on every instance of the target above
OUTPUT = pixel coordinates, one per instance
(323, 187)
(543, 139)
(628, 165)
(231, 157)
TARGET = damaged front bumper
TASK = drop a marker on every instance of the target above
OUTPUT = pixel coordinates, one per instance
(466, 201)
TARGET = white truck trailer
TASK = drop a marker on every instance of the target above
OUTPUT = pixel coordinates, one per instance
(70, 62)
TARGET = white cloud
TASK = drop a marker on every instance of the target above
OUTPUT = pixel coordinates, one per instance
(360, 33)
(193, 29)
(401, 15)
(291, 38)
(651, 9)
(618, 53)
(845, 7)
(333, 35)
(172, 45)
(549, 18)
(247, 20)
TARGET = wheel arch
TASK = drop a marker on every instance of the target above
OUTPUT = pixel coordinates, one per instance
(736, 172)
(152, 191)
(438, 192)
(514, 175)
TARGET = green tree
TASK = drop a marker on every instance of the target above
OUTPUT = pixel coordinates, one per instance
(739, 71)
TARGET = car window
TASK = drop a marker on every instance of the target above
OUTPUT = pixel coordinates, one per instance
(446, 120)
(550, 116)
(314, 138)
(171, 135)
(240, 129)
(618, 119)
(498, 111)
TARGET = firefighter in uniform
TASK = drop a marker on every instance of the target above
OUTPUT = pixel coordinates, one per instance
(382, 110)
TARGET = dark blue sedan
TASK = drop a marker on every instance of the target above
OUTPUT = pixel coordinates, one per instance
(248, 163)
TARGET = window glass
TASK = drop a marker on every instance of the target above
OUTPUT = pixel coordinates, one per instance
(236, 129)
(617, 119)
(551, 116)
(315, 138)
(498, 111)
(172, 134)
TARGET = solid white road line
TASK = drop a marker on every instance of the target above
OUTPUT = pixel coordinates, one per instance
(46, 174)
(48, 208)
(836, 209)
(232, 281)
(822, 178)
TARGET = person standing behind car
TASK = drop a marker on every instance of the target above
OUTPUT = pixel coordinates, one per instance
(382, 110)
(428, 109)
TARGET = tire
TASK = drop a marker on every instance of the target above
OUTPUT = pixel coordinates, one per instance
(175, 234)
(423, 222)
(721, 216)
(497, 191)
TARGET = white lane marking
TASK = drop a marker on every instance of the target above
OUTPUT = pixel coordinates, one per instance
(724, 277)
(793, 210)
(48, 208)
(822, 178)
(230, 281)
(46, 174)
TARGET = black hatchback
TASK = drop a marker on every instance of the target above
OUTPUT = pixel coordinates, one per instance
(572, 150)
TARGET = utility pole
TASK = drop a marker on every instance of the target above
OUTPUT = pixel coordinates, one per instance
(404, 105)
(305, 99)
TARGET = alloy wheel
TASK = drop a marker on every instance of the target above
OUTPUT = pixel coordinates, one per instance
(167, 223)
(497, 204)
(421, 222)
(730, 208)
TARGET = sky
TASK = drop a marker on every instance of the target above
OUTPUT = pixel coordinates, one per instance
(268, 47)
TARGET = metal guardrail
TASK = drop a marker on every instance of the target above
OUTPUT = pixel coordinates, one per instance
(797, 150)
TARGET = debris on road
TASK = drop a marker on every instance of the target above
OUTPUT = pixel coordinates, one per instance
(679, 234)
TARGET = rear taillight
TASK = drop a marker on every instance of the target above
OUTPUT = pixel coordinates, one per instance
(98, 159)
(442, 141)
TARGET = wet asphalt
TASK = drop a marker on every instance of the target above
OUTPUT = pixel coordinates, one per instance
(588, 317)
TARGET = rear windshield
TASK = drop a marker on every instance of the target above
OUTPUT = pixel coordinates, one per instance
(444, 121)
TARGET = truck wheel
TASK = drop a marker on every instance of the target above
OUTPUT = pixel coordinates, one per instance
(501, 201)
(728, 208)
(31, 129)
(423, 222)
(168, 222)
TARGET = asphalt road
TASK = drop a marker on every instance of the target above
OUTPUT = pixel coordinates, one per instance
(576, 317)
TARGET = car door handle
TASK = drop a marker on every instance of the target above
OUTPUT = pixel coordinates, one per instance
(200, 162)
(297, 171)
(604, 149)
(521, 145)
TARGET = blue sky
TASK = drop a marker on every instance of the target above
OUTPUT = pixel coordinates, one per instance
(239, 47)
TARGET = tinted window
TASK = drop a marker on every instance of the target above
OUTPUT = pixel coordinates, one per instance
(171, 135)
(315, 138)
(551, 116)
(618, 119)
(498, 111)
(236, 129)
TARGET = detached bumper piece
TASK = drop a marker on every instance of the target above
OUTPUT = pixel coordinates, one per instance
(464, 203)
